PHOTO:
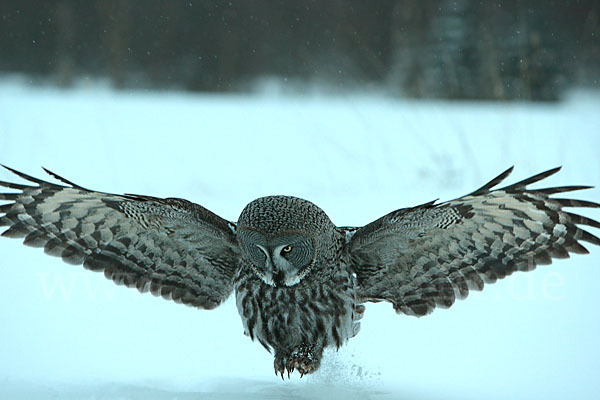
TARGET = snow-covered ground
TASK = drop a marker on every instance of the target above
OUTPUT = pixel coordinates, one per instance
(68, 333)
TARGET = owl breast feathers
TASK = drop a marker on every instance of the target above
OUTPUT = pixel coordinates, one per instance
(300, 281)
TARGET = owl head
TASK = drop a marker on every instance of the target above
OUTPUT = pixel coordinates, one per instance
(284, 238)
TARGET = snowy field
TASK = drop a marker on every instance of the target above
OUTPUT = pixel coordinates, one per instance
(67, 333)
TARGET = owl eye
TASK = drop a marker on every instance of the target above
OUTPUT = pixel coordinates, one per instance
(286, 249)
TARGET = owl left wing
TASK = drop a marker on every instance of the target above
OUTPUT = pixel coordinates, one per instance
(171, 247)
(430, 255)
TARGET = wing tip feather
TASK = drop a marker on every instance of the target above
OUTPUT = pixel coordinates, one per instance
(63, 180)
(535, 178)
(24, 175)
(589, 237)
(36, 180)
(576, 203)
(494, 182)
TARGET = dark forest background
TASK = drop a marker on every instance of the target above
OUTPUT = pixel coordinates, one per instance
(507, 49)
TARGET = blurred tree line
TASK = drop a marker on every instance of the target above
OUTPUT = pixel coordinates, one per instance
(502, 49)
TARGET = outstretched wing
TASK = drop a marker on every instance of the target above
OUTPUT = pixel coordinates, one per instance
(427, 256)
(170, 247)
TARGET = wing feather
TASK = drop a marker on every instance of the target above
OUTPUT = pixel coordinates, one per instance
(171, 247)
(430, 255)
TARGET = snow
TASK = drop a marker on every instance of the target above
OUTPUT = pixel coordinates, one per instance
(67, 333)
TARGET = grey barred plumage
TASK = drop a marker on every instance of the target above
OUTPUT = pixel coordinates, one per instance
(300, 281)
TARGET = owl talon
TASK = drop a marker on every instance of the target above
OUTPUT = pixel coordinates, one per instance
(303, 359)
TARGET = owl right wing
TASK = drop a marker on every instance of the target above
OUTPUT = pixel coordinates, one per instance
(430, 255)
(171, 247)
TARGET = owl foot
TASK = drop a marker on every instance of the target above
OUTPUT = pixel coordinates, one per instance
(304, 359)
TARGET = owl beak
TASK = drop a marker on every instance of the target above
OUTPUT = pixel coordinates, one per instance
(271, 270)
(270, 267)
(277, 275)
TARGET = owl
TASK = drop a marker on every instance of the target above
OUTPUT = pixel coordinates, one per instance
(300, 282)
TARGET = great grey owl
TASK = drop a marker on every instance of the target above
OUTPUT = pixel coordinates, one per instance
(300, 281)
